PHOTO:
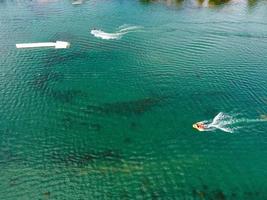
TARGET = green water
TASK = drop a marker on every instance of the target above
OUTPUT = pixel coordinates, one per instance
(112, 119)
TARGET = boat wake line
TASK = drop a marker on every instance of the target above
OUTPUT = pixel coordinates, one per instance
(224, 122)
(124, 29)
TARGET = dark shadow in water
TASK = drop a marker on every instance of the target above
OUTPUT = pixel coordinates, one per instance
(83, 159)
(135, 107)
(204, 193)
(54, 57)
(41, 81)
(150, 190)
(13, 182)
(47, 195)
(65, 96)
(133, 125)
(7, 154)
(218, 194)
(72, 121)
(125, 195)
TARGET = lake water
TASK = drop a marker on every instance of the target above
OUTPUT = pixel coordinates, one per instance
(112, 119)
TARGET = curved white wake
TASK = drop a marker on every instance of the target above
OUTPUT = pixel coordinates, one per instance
(117, 35)
(227, 123)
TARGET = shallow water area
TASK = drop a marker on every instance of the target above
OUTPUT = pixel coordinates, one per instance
(112, 118)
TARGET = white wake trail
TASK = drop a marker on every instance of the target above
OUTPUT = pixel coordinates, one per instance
(106, 36)
(117, 35)
(130, 28)
(227, 123)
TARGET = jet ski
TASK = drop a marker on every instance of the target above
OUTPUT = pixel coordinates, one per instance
(200, 126)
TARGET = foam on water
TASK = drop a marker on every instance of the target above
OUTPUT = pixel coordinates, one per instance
(228, 123)
(124, 29)
(128, 28)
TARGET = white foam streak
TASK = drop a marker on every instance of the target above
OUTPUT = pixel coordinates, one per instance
(227, 123)
(130, 28)
(106, 36)
(114, 36)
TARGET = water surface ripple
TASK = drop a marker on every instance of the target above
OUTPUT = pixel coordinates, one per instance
(112, 119)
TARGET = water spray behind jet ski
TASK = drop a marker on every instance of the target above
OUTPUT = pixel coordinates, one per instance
(224, 122)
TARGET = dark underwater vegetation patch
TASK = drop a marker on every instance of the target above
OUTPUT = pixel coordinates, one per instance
(13, 181)
(7, 154)
(65, 96)
(150, 190)
(47, 194)
(85, 158)
(134, 107)
(72, 121)
(54, 58)
(218, 194)
(125, 195)
(204, 193)
(41, 81)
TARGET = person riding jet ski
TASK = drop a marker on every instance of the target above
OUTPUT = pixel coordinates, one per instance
(200, 126)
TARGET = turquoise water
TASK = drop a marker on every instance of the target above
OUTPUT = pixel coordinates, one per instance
(112, 119)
